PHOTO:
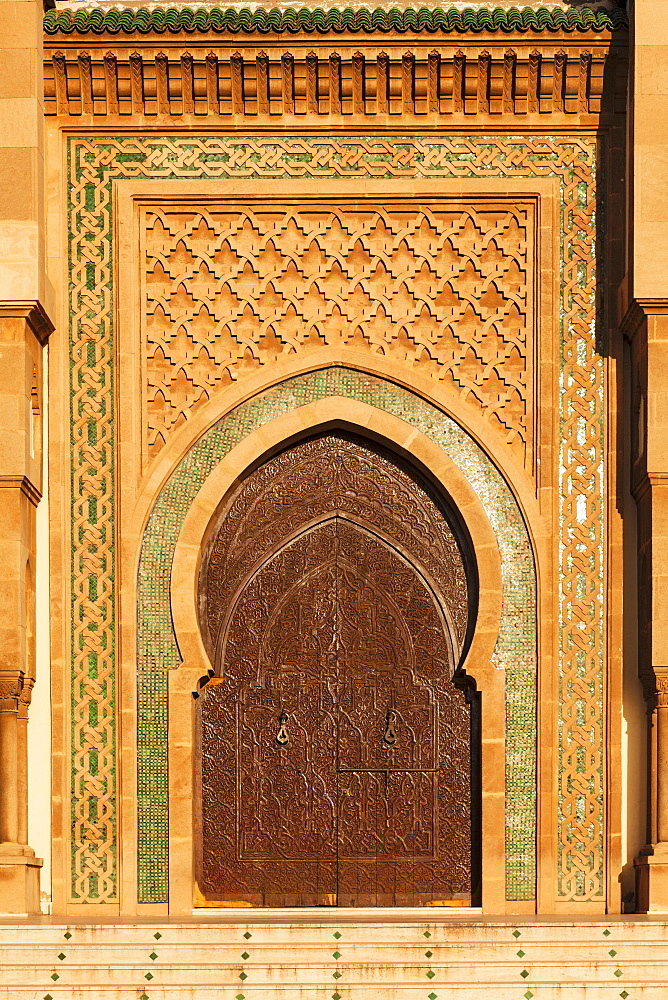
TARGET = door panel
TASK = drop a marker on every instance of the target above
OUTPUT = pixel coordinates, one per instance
(334, 760)
(268, 794)
(394, 667)
(387, 814)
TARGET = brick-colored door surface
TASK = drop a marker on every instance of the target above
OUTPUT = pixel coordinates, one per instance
(334, 744)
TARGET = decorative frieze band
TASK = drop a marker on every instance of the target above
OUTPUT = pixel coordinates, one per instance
(413, 83)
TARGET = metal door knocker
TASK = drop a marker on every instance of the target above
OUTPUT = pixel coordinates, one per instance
(282, 737)
(390, 726)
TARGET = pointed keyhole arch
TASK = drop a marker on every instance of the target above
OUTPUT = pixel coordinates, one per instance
(338, 739)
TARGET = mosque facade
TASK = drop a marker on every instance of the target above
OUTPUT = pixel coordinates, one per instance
(334, 485)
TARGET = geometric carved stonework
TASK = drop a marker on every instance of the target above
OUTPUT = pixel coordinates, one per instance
(333, 745)
(446, 289)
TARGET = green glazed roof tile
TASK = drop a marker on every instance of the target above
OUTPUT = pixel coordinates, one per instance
(172, 20)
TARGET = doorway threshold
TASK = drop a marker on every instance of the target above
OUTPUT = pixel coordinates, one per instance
(335, 914)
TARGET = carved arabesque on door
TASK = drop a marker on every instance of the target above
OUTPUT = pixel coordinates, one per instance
(334, 749)
(333, 472)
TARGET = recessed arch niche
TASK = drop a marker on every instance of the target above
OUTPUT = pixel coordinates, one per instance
(336, 749)
(171, 655)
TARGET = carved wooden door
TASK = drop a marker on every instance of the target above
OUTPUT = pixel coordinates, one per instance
(403, 737)
(334, 763)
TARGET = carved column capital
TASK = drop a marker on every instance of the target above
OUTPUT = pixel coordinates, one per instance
(660, 707)
(655, 687)
(25, 697)
(661, 695)
(11, 688)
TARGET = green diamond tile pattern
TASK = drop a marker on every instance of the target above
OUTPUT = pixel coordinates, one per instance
(248, 935)
(242, 976)
(245, 955)
(55, 976)
(612, 953)
(430, 974)
(624, 994)
(153, 956)
(428, 954)
(240, 996)
(427, 934)
(337, 935)
(618, 973)
(149, 976)
(432, 996)
(337, 975)
(48, 997)
(67, 935)
(157, 935)
(336, 954)
(524, 973)
(528, 995)
(517, 934)
(336, 996)
(62, 957)
(606, 933)
(144, 996)
(521, 954)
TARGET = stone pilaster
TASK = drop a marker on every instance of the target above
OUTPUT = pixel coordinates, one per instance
(646, 326)
(652, 864)
(20, 453)
(11, 683)
(22, 757)
(24, 327)
(645, 322)
(19, 868)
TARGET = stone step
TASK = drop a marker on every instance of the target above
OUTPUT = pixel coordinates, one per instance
(472, 990)
(305, 953)
(468, 960)
(321, 973)
(382, 932)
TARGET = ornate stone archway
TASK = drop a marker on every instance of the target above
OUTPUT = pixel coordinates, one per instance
(514, 653)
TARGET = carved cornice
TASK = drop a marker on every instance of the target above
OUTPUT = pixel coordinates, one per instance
(24, 484)
(638, 311)
(314, 81)
(33, 312)
(177, 20)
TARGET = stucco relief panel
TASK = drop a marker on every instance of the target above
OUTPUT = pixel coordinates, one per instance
(445, 287)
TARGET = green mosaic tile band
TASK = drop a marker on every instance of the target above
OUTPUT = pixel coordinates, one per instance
(515, 651)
